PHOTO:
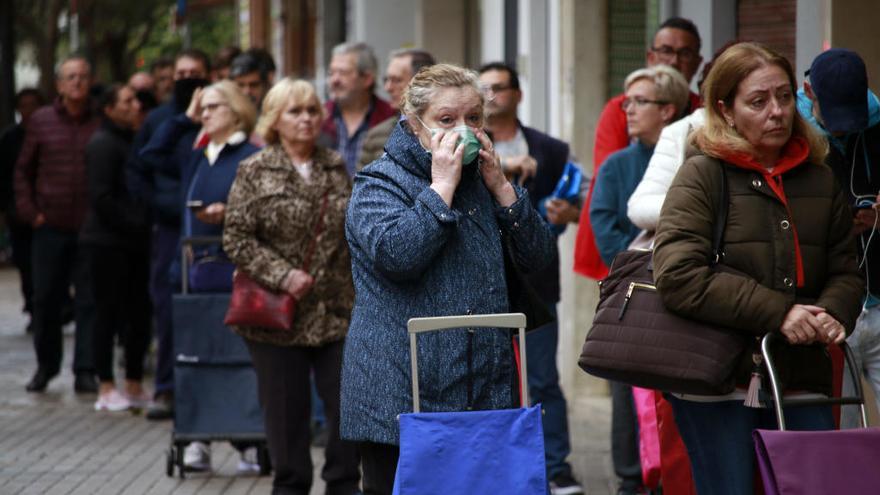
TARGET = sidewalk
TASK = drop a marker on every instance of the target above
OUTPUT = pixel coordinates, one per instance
(54, 443)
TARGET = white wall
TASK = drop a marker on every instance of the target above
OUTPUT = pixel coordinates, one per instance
(385, 25)
(716, 21)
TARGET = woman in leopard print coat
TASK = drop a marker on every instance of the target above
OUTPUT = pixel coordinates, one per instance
(282, 197)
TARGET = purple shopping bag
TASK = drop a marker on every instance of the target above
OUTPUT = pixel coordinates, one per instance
(819, 462)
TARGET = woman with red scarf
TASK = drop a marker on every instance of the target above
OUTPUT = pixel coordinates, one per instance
(788, 241)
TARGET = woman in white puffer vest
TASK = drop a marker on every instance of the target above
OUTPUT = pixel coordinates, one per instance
(643, 207)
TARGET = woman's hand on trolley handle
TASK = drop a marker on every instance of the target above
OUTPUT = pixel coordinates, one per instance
(807, 324)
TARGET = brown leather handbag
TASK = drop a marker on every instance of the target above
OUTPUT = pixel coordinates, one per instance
(252, 305)
(636, 340)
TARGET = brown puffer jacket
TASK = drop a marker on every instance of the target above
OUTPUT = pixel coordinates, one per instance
(759, 241)
(270, 221)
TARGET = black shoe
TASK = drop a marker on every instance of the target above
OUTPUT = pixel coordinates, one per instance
(40, 380)
(161, 408)
(564, 484)
(85, 383)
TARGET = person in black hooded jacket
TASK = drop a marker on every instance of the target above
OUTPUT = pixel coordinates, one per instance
(116, 237)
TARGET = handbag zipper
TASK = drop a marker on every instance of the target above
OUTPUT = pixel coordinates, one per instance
(629, 292)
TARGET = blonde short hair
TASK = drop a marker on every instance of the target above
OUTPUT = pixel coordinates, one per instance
(669, 86)
(424, 85)
(717, 137)
(240, 105)
(284, 92)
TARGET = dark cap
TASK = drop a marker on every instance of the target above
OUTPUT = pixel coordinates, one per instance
(840, 82)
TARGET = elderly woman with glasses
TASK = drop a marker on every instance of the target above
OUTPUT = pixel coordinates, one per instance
(655, 97)
(428, 226)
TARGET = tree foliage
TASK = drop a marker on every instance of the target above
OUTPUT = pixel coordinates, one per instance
(119, 37)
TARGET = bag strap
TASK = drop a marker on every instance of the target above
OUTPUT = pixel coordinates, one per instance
(318, 228)
(720, 220)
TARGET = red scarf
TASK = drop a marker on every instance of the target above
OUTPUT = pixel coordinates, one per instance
(793, 154)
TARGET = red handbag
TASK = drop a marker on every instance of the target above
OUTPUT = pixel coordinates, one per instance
(252, 305)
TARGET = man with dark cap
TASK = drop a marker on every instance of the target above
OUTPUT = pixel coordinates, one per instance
(837, 101)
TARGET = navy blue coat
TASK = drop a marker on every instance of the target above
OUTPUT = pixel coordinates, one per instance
(413, 256)
(551, 155)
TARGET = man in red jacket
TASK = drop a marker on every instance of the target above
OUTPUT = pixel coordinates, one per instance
(353, 108)
(676, 43)
(51, 194)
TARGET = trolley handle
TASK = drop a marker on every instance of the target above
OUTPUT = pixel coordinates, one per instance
(779, 402)
(416, 326)
(186, 242)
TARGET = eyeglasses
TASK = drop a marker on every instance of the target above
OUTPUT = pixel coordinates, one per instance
(213, 106)
(393, 80)
(77, 77)
(639, 103)
(497, 88)
(667, 52)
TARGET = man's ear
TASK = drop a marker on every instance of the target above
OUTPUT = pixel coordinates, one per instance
(808, 90)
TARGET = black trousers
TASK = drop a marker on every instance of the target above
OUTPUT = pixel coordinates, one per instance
(20, 236)
(120, 283)
(285, 395)
(57, 261)
(379, 462)
(625, 437)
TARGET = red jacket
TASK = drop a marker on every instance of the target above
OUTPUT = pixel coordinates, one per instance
(50, 175)
(611, 135)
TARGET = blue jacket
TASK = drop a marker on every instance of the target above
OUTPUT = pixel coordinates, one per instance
(152, 178)
(413, 256)
(616, 181)
(551, 156)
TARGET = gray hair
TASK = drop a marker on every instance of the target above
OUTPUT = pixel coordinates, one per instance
(424, 85)
(669, 85)
(366, 59)
(71, 58)
(418, 58)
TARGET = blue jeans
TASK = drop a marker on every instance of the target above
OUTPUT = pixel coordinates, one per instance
(543, 378)
(718, 437)
(57, 262)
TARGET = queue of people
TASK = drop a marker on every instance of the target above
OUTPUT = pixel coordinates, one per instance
(370, 212)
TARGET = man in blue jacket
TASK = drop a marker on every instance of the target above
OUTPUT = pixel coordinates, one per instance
(536, 161)
(160, 187)
(837, 101)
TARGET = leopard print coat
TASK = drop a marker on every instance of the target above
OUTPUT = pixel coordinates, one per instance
(271, 218)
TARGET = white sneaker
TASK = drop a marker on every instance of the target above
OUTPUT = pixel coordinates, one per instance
(112, 401)
(197, 457)
(248, 464)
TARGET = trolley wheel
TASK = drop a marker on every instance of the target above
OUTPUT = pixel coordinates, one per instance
(169, 462)
(180, 468)
(264, 461)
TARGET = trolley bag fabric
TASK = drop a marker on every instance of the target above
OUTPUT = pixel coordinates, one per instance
(817, 462)
(499, 451)
(495, 451)
(214, 382)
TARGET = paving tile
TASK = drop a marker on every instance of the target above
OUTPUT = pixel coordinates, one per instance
(55, 444)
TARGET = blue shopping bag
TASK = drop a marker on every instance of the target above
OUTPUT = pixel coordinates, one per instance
(567, 188)
(500, 451)
(495, 451)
